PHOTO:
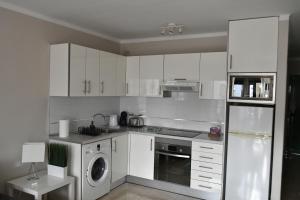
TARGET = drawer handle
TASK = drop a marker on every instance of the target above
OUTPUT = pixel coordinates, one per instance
(206, 147)
(205, 177)
(203, 186)
(205, 167)
(206, 157)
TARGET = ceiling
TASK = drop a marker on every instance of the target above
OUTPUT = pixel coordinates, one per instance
(131, 19)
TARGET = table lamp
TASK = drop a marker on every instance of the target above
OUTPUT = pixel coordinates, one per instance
(33, 153)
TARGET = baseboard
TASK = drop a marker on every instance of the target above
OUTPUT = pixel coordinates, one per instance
(170, 187)
(117, 183)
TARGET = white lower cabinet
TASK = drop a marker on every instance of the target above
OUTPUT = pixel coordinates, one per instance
(119, 154)
(205, 186)
(207, 167)
(141, 156)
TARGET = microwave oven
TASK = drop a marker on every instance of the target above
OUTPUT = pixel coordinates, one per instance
(257, 88)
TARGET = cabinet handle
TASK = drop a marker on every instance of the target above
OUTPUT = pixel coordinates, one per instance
(89, 82)
(201, 86)
(205, 186)
(127, 89)
(230, 61)
(84, 87)
(205, 167)
(115, 145)
(180, 79)
(200, 176)
(102, 87)
(202, 147)
(206, 157)
(151, 145)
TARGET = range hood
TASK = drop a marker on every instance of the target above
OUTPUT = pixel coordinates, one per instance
(180, 85)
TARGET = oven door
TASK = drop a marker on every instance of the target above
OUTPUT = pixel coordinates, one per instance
(172, 167)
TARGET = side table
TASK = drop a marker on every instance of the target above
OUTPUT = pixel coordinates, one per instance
(43, 185)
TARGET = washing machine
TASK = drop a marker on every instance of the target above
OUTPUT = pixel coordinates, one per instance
(96, 169)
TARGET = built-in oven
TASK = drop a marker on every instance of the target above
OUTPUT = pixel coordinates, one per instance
(251, 88)
(173, 161)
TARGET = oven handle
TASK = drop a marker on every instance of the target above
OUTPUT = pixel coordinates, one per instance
(173, 155)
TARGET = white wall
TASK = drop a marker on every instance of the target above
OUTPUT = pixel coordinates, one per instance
(183, 110)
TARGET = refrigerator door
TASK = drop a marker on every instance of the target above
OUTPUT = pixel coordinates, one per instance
(249, 153)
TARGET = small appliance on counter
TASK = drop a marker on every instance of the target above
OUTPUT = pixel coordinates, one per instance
(123, 118)
(136, 121)
(215, 132)
(113, 121)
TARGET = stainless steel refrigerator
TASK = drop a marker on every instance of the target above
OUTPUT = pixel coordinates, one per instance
(249, 146)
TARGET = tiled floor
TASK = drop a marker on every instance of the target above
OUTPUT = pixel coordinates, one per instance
(136, 192)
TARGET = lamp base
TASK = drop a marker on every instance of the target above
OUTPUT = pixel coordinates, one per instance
(32, 173)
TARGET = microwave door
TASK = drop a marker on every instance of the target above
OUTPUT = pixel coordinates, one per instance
(251, 88)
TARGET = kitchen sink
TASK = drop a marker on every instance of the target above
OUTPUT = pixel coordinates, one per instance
(96, 131)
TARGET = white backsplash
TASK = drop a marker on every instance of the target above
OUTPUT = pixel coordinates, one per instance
(182, 110)
(79, 110)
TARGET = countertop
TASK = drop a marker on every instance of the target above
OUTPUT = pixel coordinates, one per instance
(85, 139)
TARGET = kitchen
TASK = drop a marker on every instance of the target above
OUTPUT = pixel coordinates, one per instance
(174, 108)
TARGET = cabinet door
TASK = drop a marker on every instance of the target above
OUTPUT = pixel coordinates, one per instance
(252, 45)
(119, 157)
(151, 75)
(182, 66)
(213, 75)
(78, 86)
(108, 65)
(121, 76)
(92, 72)
(133, 76)
(141, 156)
(59, 70)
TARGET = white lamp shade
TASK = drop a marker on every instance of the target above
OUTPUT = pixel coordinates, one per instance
(33, 152)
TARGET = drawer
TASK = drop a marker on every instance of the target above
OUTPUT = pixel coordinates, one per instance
(207, 147)
(207, 157)
(207, 167)
(205, 176)
(205, 186)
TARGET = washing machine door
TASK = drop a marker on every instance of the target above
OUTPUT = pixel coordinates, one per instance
(97, 169)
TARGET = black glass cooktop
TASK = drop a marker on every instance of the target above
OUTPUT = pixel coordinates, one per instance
(172, 132)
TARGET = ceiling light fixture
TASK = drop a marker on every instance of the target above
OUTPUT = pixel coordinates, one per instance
(171, 29)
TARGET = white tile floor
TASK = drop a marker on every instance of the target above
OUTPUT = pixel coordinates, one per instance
(136, 192)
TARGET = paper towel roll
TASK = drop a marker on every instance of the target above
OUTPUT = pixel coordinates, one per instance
(64, 128)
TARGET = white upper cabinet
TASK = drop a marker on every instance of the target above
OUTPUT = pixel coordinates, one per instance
(252, 45)
(121, 76)
(80, 71)
(108, 67)
(119, 157)
(59, 70)
(141, 162)
(213, 75)
(92, 72)
(133, 76)
(182, 66)
(78, 83)
(151, 75)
